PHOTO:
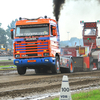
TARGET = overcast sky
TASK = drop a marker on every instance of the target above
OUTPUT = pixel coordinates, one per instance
(69, 22)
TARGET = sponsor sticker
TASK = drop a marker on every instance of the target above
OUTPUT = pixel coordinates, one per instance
(31, 38)
(31, 61)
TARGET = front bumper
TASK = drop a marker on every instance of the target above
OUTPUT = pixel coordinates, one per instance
(47, 61)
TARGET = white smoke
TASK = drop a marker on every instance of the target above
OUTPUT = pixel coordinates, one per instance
(75, 11)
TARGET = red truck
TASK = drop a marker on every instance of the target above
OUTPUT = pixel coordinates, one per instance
(91, 60)
(86, 58)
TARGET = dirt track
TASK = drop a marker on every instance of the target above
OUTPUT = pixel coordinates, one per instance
(6, 63)
(13, 85)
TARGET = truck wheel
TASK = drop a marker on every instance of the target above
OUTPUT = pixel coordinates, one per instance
(68, 70)
(56, 68)
(21, 70)
(71, 67)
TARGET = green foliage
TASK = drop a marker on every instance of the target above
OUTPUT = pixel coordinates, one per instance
(12, 25)
(5, 36)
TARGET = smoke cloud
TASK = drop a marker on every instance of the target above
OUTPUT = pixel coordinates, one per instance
(58, 5)
(72, 13)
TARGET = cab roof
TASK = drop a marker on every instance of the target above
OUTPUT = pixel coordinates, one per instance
(39, 20)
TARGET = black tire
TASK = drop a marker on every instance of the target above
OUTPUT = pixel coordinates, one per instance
(56, 68)
(21, 70)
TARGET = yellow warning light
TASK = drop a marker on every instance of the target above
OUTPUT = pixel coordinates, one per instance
(17, 51)
(45, 50)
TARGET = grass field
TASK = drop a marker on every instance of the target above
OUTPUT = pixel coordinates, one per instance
(2, 67)
(6, 60)
(91, 95)
(7, 67)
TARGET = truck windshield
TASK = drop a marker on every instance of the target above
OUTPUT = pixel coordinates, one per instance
(32, 30)
(90, 32)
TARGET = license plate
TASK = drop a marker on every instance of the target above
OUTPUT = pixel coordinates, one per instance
(31, 61)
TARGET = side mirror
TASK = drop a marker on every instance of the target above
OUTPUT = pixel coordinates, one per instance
(11, 34)
(54, 31)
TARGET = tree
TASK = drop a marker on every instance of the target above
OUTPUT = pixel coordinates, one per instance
(3, 38)
(0, 24)
(8, 34)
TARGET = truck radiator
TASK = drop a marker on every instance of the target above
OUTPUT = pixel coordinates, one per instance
(27, 49)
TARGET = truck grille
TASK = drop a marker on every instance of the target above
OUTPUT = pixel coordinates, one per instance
(28, 49)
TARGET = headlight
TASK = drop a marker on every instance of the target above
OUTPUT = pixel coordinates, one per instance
(17, 56)
(46, 60)
(16, 61)
(45, 54)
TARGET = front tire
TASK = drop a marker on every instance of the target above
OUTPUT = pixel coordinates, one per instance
(56, 68)
(21, 70)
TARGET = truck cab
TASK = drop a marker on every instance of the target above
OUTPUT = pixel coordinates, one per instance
(36, 45)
